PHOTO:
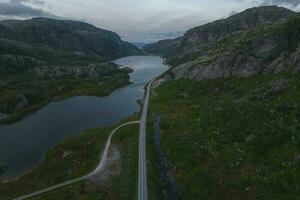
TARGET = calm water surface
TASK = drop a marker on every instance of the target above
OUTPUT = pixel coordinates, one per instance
(23, 144)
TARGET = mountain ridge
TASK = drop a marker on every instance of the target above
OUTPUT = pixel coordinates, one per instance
(61, 42)
(202, 36)
(263, 50)
(257, 40)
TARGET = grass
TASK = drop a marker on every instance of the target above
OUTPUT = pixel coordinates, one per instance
(76, 157)
(124, 186)
(234, 138)
(121, 186)
(155, 184)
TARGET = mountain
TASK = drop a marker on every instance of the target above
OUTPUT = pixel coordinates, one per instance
(166, 48)
(42, 60)
(226, 115)
(48, 41)
(200, 37)
(261, 50)
(140, 44)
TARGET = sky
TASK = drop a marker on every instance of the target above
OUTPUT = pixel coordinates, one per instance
(136, 20)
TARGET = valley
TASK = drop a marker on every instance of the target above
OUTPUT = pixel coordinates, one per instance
(218, 110)
(228, 108)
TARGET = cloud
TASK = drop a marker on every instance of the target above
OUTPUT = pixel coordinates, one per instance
(282, 2)
(137, 20)
(34, 2)
(18, 8)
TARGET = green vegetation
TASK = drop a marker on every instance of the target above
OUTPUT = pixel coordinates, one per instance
(73, 158)
(234, 138)
(84, 190)
(78, 156)
(155, 186)
(25, 44)
(122, 183)
(23, 93)
(124, 186)
(42, 60)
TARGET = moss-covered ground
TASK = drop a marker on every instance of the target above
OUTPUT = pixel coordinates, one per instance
(232, 139)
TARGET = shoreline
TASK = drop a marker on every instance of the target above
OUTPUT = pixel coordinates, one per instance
(139, 101)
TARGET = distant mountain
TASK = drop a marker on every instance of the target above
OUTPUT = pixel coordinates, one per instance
(140, 44)
(39, 41)
(200, 37)
(166, 48)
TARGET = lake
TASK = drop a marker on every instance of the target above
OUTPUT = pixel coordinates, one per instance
(23, 144)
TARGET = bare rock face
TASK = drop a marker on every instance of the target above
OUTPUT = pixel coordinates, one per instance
(250, 18)
(23, 102)
(91, 72)
(203, 36)
(262, 50)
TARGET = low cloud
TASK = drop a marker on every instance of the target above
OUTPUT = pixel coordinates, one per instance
(18, 8)
(34, 2)
(293, 3)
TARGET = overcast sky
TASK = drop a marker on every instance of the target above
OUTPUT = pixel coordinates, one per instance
(136, 20)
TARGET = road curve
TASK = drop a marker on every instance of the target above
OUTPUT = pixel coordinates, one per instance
(142, 175)
(99, 168)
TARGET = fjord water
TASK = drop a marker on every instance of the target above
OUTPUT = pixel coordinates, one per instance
(23, 144)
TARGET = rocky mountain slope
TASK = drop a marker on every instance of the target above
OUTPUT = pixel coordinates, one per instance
(39, 41)
(229, 110)
(199, 38)
(265, 49)
(166, 48)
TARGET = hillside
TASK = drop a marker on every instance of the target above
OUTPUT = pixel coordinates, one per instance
(42, 60)
(200, 37)
(228, 110)
(48, 41)
(265, 49)
(166, 48)
(231, 139)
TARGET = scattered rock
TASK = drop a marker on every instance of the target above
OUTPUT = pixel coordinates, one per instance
(23, 103)
(3, 115)
(66, 153)
(249, 138)
(183, 95)
(90, 72)
(112, 168)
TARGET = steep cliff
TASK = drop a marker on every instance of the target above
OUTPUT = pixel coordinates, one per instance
(199, 38)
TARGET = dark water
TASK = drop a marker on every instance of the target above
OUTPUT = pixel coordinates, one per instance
(23, 144)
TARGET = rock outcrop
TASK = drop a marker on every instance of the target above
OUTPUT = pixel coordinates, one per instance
(197, 39)
(265, 49)
(166, 48)
(90, 72)
(258, 40)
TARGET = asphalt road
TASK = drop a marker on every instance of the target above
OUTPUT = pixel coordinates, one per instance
(99, 168)
(142, 176)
